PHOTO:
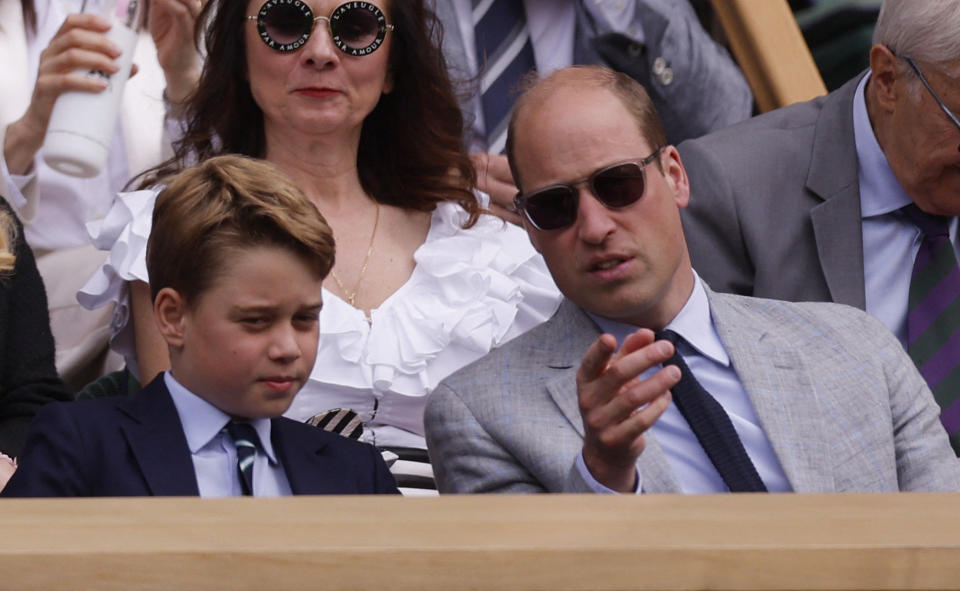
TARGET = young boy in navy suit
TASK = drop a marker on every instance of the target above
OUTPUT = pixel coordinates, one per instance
(236, 258)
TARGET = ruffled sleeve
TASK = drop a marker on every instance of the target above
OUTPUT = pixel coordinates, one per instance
(123, 232)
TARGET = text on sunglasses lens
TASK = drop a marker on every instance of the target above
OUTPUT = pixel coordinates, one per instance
(357, 28)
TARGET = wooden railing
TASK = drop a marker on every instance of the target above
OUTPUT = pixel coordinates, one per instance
(770, 49)
(555, 542)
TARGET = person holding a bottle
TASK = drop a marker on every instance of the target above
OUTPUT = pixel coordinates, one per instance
(51, 48)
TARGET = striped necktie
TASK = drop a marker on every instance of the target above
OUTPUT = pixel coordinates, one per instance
(246, 440)
(933, 320)
(504, 56)
(712, 426)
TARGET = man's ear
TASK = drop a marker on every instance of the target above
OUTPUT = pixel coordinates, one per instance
(675, 175)
(170, 310)
(884, 74)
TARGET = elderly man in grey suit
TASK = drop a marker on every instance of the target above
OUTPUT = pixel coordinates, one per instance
(825, 200)
(707, 392)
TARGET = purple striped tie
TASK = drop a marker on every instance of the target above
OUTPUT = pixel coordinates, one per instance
(504, 56)
(933, 322)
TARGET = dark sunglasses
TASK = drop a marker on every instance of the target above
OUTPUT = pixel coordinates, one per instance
(555, 207)
(357, 28)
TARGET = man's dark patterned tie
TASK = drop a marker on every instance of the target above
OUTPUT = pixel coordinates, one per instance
(712, 426)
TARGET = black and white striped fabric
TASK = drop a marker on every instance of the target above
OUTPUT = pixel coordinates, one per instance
(504, 56)
(410, 466)
(342, 421)
(411, 469)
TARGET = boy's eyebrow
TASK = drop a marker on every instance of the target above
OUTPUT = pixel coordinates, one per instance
(240, 309)
(253, 308)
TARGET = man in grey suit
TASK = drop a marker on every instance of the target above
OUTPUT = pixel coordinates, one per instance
(810, 202)
(815, 397)
(694, 83)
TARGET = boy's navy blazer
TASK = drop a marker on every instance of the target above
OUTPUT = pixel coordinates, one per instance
(136, 446)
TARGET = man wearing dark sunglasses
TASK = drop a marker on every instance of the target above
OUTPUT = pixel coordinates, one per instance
(645, 379)
(829, 200)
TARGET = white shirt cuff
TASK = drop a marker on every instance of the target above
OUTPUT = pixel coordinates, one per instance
(595, 486)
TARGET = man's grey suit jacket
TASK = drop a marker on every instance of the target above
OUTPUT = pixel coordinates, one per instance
(843, 406)
(775, 204)
(694, 83)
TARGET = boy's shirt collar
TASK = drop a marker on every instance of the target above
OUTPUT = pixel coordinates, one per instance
(203, 421)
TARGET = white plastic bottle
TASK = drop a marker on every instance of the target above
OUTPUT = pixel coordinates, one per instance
(82, 123)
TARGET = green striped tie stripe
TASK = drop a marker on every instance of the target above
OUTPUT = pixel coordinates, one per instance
(246, 441)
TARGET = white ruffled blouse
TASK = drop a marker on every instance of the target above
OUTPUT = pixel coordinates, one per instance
(470, 291)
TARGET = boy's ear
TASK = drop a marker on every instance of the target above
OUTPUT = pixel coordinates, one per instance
(169, 310)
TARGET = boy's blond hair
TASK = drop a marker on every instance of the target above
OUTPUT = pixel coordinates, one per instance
(225, 205)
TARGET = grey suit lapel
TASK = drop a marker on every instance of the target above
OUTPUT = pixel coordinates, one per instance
(833, 177)
(158, 443)
(575, 333)
(777, 380)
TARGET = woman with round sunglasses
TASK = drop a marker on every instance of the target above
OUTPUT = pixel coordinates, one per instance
(351, 100)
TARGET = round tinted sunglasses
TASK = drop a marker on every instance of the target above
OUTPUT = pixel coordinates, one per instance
(555, 207)
(357, 28)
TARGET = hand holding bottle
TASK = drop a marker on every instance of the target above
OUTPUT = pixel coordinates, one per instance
(82, 121)
(81, 44)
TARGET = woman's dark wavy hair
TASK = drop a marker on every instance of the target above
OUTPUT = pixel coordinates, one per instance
(411, 153)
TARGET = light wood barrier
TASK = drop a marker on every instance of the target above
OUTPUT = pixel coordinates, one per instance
(555, 542)
(771, 51)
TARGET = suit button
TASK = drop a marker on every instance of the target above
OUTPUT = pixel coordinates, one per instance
(658, 65)
(662, 71)
(634, 49)
(666, 77)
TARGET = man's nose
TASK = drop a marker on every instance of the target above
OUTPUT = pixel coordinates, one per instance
(593, 218)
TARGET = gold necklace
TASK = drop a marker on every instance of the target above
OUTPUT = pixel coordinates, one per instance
(352, 296)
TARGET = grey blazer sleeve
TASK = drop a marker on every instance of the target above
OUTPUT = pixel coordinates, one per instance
(465, 458)
(694, 83)
(925, 460)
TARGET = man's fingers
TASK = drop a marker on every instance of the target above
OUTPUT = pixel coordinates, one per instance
(634, 342)
(624, 404)
(596, 358)
(628, 434)
(629, 366)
